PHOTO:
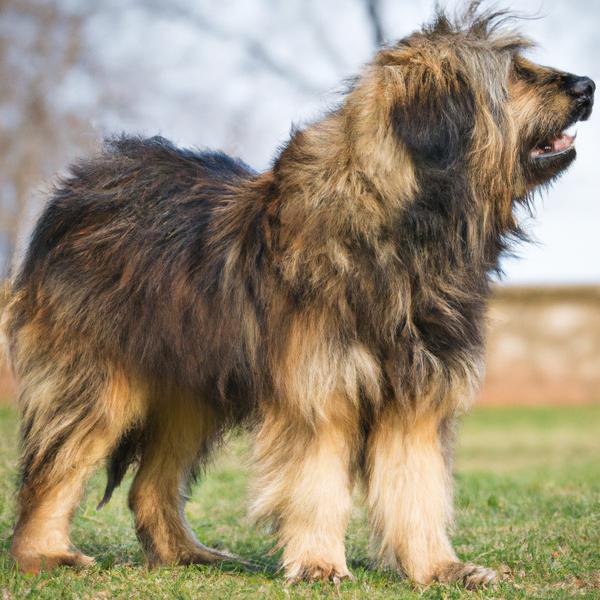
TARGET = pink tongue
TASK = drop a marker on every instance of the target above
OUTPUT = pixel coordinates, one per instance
(562, 143)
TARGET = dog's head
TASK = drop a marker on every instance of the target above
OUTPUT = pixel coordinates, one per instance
(545, 104)
(459, 96)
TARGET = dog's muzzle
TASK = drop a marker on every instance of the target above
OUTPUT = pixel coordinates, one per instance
(582, 90)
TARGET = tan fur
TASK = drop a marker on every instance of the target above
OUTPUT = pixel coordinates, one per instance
(313, 371)
(175, 437)
(41, 537)
(303, 486)
(409, 494)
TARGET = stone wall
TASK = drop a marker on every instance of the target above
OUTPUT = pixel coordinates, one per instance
(543, 346)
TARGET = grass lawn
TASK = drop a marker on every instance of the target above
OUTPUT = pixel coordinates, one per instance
(528, 504)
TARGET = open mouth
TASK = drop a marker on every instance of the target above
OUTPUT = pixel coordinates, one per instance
(555, 146)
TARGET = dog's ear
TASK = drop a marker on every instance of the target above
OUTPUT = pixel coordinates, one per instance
(433, 114)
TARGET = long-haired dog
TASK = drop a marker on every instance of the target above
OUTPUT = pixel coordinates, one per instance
(335, 303)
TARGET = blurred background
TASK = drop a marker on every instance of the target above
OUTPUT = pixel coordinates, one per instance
(234, 75)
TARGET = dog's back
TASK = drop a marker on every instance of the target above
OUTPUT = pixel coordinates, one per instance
(127, 252)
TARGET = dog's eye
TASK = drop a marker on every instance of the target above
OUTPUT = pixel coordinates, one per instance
(523, 73)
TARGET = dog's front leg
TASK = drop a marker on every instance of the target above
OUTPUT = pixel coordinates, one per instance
(303, 487)
(410, 499)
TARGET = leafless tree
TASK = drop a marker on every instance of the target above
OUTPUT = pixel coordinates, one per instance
(375, 20)
(42, 44)
(259, 51)
(39, 44)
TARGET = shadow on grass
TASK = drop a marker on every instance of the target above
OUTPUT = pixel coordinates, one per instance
(253, 563)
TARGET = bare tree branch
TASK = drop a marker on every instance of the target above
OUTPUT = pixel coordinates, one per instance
(323, 36)
(257, 51)
(374, 11)
(32, 142)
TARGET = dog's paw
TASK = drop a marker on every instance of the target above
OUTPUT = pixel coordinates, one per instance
(470, 575)
(317, 572)
(34, 563)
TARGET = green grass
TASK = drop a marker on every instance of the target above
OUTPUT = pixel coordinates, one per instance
(528, 504)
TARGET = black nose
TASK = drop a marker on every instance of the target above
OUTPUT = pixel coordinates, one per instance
(581, 87)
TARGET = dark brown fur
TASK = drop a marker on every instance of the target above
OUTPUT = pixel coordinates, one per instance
(335, 302)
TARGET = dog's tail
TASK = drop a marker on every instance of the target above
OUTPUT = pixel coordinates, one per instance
(125, 453)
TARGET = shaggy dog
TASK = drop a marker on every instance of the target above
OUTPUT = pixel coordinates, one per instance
(334, 303)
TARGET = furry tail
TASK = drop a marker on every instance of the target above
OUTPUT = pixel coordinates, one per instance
(125, 453)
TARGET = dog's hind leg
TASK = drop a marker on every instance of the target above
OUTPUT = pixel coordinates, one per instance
(178, 433)
(72, 417)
